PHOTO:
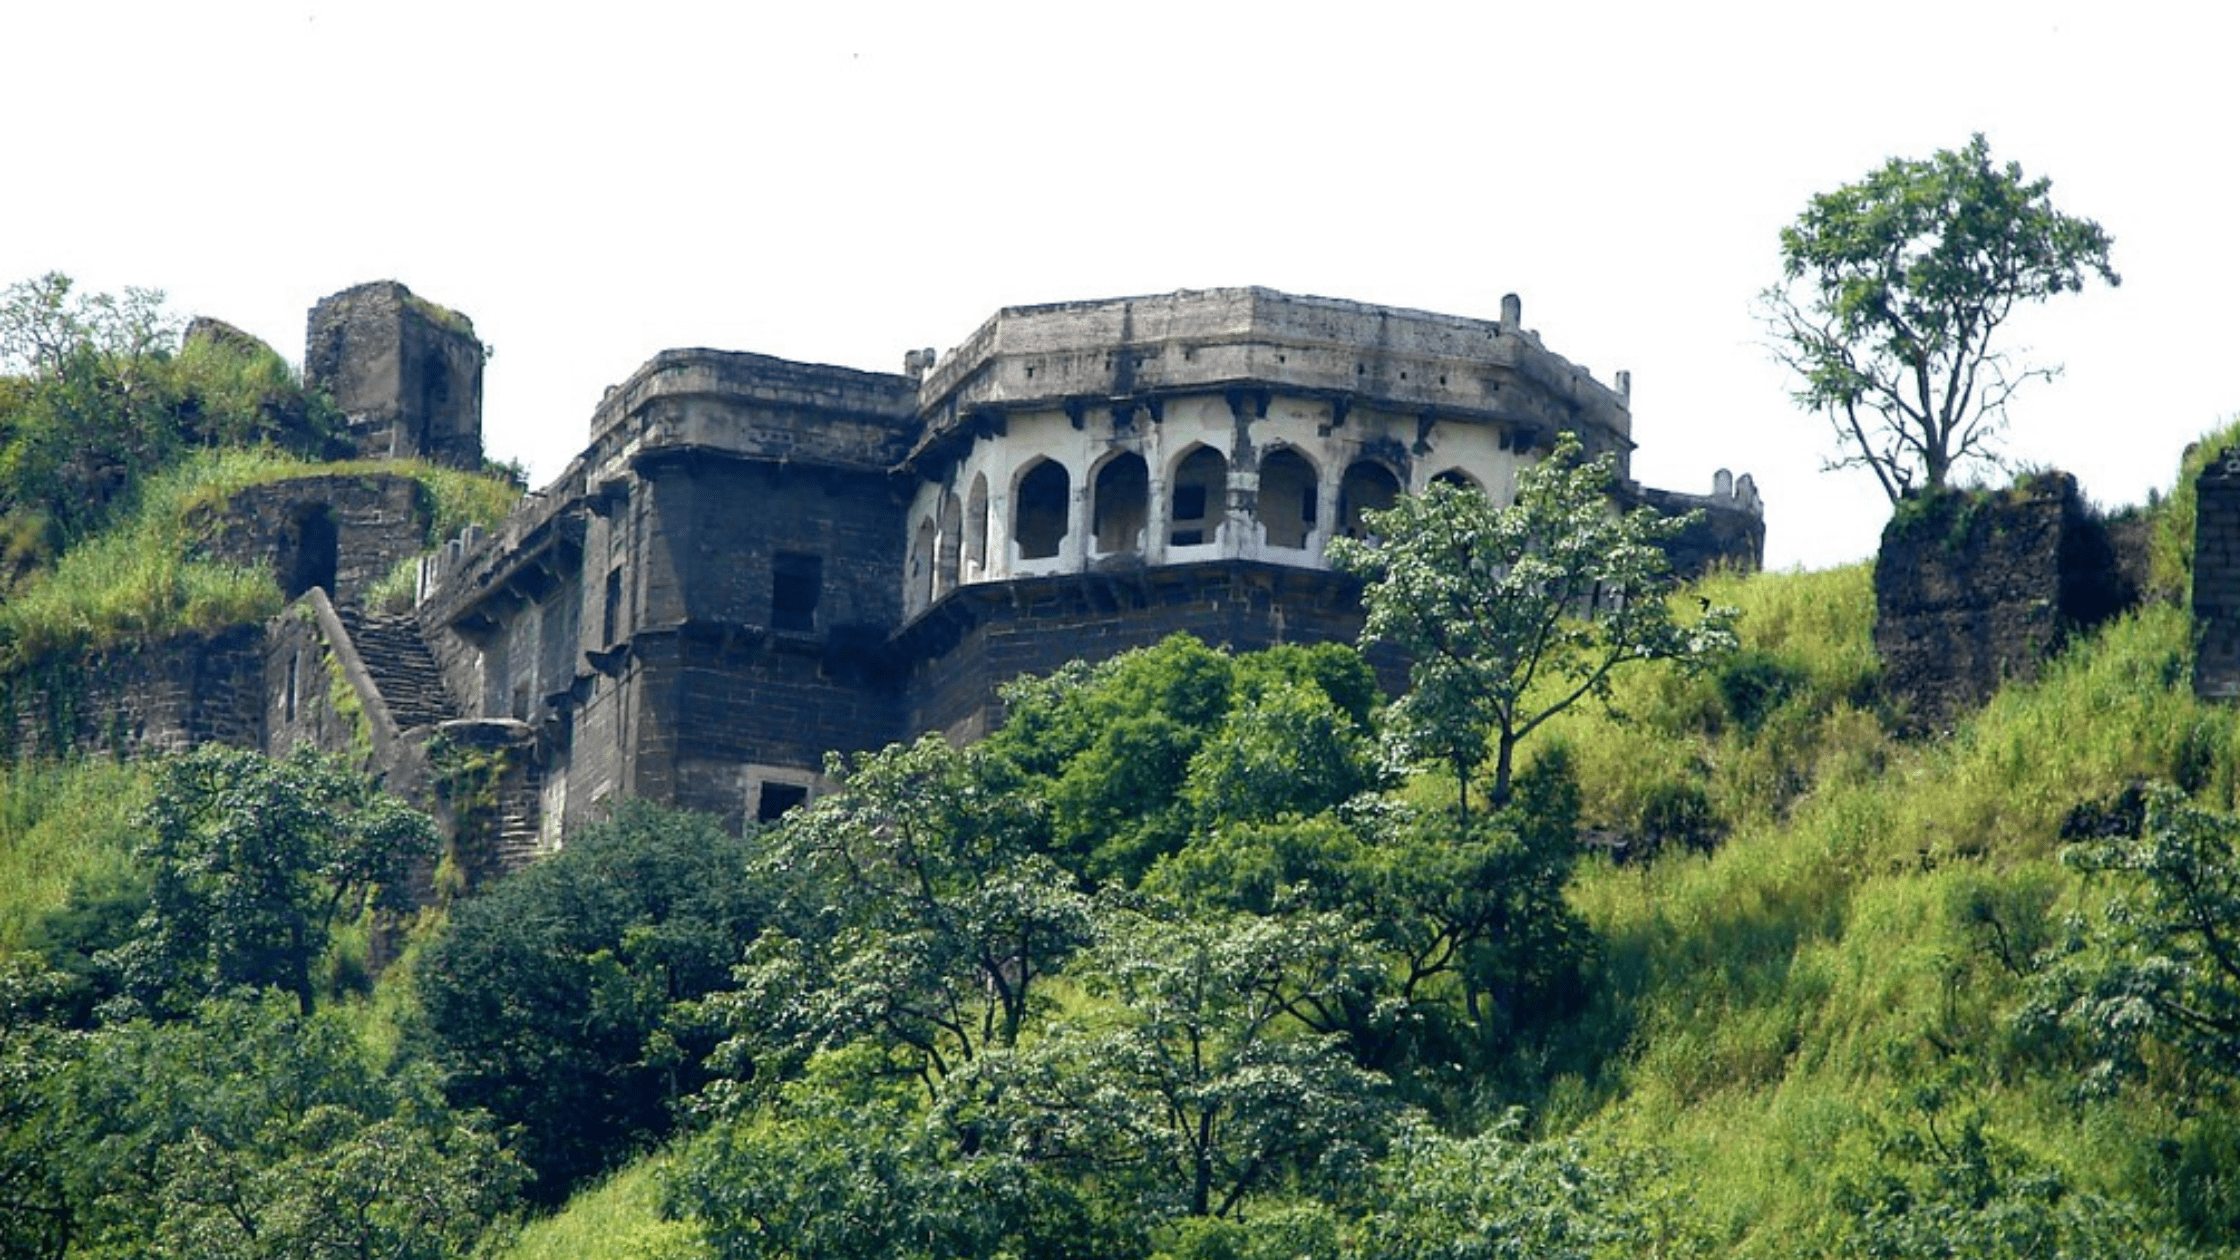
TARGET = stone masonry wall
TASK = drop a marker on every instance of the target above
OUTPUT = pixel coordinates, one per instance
(405, 372)
(982, 637)
(1974, 590)
(138, 699)
(344, 533)
(2216, 578)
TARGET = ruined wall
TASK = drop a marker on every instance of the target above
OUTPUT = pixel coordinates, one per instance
(760, 599)
(2216, 578)
(139, 698)
(306, 698)
(406, 373)
(1731, 530)
(342, 533)
(1972, 590)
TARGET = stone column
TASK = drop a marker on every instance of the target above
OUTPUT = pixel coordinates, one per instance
(2216, 578)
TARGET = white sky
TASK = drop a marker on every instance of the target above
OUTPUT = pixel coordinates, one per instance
(839, 182)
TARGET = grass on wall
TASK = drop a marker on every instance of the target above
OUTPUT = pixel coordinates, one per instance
(142, 580)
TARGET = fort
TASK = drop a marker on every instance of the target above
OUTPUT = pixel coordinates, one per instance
(754, 562)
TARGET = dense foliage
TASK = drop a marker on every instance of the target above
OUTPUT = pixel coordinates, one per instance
(561, 1001)
(1511, 615)
(96, 395)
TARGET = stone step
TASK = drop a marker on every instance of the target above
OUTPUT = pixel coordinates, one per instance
(403, 669)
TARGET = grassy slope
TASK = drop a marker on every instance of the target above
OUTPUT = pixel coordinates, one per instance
(1838, 968)
(69, 823)
(1789, 1001)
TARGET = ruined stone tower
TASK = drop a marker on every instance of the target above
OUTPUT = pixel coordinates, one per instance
(406, 372)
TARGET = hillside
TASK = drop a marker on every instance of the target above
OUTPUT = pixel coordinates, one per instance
(1824, 1011)
(1189, 959)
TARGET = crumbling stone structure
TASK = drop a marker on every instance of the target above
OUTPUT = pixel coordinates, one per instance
(755, 562)
(2216, 578)
(406, 373)
(1973, 590)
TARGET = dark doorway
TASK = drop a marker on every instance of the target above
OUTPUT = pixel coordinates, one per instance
(309, 557)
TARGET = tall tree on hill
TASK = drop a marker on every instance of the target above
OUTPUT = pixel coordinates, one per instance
(1892, 294)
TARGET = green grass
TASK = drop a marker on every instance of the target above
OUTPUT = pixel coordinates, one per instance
(618, 1219)
(144, 581)
(1789, 1001)
(60, 825)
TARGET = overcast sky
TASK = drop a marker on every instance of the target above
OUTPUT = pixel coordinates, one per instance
(839, 182)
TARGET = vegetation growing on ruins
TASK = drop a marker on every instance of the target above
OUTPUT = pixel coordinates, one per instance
(117, 448)
(1186, 961)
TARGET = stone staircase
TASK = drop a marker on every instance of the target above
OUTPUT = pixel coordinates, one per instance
(402, 667)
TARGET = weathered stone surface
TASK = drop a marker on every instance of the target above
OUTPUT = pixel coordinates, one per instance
(406, 373)
(2216, 578)
(756, 562)
(138, 699)
(202, 328)
(1731, 530)
(1972, 590)
(342, 533)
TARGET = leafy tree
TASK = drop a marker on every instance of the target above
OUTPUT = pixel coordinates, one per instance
(1970, 1196)
(1498, 1195)
(915, 911)
(2164, 964)
(564, 1000)
(851, 1163)
(1134, 754)
(96, 394)
(36, 1221)
(1510, 615)
(1892, 295)
(254, 1132)
(1202, 1086)
(252, 861)
(1479, 948)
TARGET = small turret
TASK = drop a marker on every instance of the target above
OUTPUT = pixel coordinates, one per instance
(406, 373)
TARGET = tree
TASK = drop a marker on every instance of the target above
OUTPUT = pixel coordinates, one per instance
(2164, 964)
(564, 999)
(1893, 291)
(1510, 615)
(252, 861)
(254, 1132)
(1201, 1083)
(912, 909)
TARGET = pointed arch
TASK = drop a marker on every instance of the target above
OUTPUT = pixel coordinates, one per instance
(1199, 490)
(1368, 486)
(948, 549)
(1459, 479)
(976, 528)
(1120, 504)
(1040, 508)
(919, 591)
(1289, 488)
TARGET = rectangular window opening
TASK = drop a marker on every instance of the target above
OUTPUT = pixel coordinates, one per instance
(772, 800)
(796, 581)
